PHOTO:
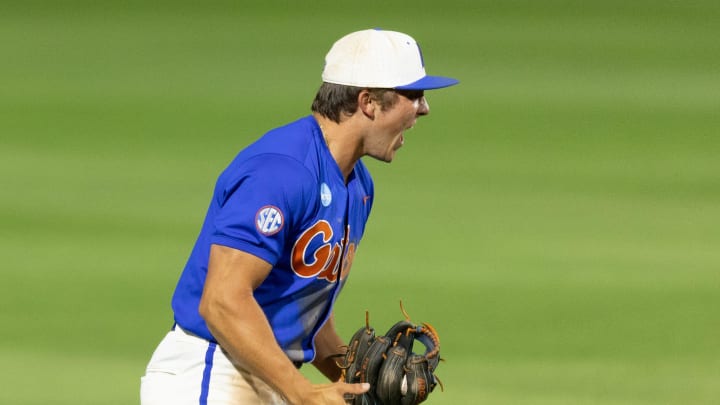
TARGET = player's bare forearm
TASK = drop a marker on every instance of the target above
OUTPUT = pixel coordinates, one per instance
(265, 360)
(239, 324)
(329, 349)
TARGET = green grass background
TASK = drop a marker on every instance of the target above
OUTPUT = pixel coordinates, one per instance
(556, 217)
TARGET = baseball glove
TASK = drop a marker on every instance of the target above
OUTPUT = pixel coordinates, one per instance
(397, 375)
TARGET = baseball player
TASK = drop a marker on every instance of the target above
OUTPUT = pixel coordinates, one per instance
(255, 299)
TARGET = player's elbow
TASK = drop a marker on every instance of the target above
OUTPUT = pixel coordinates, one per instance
(204, 308)
(211, 308)
(217, 307)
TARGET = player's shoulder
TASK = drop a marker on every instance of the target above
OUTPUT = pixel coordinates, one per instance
(280, 156)
(294, 140)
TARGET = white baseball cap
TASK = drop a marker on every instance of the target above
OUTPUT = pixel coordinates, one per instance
(377, 58)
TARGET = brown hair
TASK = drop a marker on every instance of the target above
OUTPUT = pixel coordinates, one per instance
(335, 100)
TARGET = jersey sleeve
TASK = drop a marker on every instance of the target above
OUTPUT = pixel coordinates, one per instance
(260, 203)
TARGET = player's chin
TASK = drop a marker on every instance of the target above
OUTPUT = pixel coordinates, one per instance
(396, 146)
(388, 156)
(398, 142)
(391, 154)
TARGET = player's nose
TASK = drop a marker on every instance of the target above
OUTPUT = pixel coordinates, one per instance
(423, 106)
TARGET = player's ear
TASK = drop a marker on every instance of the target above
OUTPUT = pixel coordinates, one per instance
(367, 104)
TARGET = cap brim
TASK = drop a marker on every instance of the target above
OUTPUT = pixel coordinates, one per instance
(429, 83)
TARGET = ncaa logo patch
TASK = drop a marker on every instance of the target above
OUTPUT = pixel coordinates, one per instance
(269, 220)
(325, 195)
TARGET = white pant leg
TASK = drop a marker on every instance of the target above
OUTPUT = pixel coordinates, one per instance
(188, 370)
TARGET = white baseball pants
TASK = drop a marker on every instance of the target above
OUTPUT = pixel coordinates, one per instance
(188, 370)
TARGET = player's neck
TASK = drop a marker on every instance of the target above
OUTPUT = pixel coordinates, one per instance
(342, 142)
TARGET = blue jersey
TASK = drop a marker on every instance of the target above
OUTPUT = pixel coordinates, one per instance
(284, 200)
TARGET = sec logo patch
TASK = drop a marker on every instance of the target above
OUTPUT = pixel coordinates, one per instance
(269, 220)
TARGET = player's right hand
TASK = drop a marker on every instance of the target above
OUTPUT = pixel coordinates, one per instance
(335, 393)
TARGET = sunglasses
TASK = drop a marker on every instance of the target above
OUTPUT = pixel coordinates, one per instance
(411, 95)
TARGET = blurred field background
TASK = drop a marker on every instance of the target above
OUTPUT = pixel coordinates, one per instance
(556, 217)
